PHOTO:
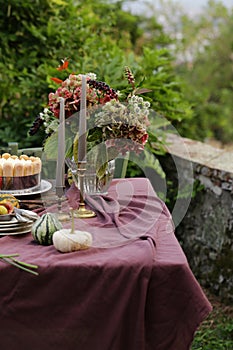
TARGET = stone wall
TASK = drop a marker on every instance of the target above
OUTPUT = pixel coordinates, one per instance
(206, 229)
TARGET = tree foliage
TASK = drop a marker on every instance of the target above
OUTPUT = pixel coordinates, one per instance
(205, 64)
(202, 47)
(97, 36)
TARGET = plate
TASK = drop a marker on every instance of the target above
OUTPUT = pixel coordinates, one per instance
(45, 186)
(19, 232)
(6, 218)
(16, 227)
(13, 221)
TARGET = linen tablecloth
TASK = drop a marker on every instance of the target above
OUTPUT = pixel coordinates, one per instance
(132, 290)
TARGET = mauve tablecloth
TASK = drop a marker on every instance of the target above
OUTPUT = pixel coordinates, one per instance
(133, 290)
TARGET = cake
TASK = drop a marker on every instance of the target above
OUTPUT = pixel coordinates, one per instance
(19, 172)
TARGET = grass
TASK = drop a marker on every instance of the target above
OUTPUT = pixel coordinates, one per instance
(216, 332)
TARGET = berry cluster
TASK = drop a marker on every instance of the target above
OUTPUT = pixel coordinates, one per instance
(36, 125)
(101, 86)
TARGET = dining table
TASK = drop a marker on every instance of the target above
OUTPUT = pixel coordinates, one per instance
(131, 289)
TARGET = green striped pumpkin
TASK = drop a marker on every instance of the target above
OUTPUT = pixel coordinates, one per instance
(44, 228)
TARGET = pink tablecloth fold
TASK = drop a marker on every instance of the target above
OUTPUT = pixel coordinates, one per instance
(130, 211)
(137, 293)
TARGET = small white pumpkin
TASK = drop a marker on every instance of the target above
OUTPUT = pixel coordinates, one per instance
(67, 241)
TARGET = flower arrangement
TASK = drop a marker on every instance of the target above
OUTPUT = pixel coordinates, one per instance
(70, 89)
(121, 125)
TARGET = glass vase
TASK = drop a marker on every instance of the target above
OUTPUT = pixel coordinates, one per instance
(93, 184)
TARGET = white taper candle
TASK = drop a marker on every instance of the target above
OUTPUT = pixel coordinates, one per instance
(82, 122)
(60, 171)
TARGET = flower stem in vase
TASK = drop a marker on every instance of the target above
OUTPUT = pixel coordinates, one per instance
(72, 221)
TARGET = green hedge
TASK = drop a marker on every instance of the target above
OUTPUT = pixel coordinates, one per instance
(97, 36)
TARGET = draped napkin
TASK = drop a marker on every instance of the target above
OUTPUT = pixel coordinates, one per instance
(131, 210)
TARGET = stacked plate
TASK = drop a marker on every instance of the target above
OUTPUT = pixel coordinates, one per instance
(15, 227)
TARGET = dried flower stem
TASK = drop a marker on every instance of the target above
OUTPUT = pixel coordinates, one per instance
(20, 264)
(130, 77)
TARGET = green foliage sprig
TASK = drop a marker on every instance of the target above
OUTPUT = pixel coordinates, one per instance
(10, 259)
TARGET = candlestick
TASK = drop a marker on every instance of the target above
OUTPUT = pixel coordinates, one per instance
(78, 174)
(82, 212)
(82, 123)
